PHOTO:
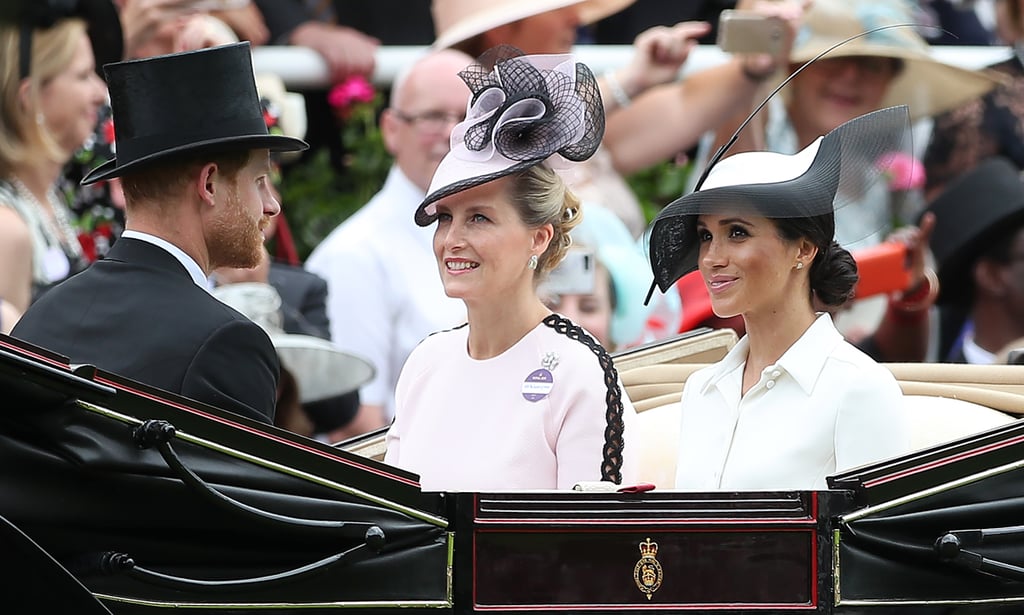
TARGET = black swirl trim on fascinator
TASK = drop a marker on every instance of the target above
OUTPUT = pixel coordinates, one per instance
(524, 110)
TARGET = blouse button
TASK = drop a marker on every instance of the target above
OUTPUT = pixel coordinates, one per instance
(776, 374)
(770, 384)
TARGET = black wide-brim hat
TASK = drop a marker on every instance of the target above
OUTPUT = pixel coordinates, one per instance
(185, 103)
(970, 214)
(832, 172)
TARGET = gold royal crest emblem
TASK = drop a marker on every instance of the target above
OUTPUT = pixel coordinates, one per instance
(647, 573)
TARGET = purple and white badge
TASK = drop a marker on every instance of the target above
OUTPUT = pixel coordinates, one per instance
(539, 383)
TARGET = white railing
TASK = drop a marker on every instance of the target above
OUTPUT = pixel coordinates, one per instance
(301, 67)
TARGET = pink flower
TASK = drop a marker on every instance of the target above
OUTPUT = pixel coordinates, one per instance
(903, 171)
(354, 89)
(108, 130)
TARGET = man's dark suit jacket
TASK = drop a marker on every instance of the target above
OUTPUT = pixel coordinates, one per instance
(303, 300)
(137, 313)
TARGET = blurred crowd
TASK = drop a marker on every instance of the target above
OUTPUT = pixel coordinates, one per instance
(951, 205)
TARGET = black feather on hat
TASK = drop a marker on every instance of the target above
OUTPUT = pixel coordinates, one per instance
(836, 170)
(831, 172)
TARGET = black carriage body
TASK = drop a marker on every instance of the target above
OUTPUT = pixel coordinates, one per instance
(156, 503)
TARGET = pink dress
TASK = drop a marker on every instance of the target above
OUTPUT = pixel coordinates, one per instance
(533, 417)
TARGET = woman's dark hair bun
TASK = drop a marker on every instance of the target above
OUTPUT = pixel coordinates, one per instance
(834, 275)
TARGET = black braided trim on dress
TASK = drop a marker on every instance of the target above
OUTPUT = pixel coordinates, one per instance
(611, 464)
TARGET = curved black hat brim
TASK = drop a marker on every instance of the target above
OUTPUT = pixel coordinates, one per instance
(274, 143)
(424, 219)
(846, 163)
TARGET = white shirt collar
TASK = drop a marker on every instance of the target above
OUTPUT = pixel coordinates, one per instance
(975, 354)
(798, 361)
(405, 193)
(190, 265)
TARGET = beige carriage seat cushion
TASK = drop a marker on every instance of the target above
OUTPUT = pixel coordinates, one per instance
(999, 378)
(650, 386)
(936, 420)
(699, 346)
(933, 420)
(372, 447)
(658, 431)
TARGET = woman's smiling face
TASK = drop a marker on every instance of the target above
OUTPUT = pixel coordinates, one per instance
(746, 265)
(482, 246)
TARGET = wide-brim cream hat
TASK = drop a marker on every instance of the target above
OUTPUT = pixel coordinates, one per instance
(321, 370)
(460, 20)
(928, 87)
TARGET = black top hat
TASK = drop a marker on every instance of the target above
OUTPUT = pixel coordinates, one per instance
(184, 103)
(980, 205)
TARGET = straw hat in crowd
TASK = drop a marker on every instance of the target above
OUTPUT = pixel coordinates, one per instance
(925, 85)
(456, 21)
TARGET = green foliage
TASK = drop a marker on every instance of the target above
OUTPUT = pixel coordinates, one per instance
(659, 185)
(317, 198)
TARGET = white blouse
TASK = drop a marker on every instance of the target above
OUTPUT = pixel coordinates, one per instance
(822, 408)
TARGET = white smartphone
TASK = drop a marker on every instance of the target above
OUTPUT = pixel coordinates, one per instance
(575, 275)
(749, 32)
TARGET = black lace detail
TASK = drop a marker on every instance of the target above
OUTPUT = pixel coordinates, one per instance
(614, 440)
(529, 113)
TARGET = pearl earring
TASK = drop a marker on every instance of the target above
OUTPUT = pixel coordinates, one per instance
(800, 265)
(40, 118)
(532, 264)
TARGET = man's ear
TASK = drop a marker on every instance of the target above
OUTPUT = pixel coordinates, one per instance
(989, 278)
(207, 182)
(389, 126)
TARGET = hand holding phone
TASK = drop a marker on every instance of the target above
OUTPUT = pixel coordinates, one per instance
(750, 32)
(882, 268)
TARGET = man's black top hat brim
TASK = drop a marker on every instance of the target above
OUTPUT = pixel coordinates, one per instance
(274, 143)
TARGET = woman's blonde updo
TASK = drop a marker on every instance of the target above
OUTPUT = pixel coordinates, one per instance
(541, 197)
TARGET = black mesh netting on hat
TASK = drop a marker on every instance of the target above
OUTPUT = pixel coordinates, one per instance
(849, 161)
(531, 112)
(524, 110)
